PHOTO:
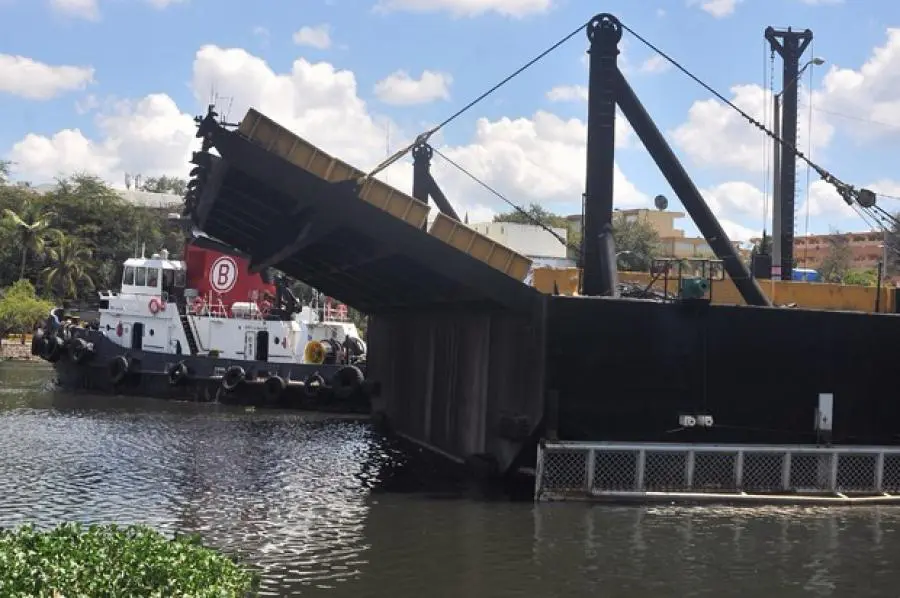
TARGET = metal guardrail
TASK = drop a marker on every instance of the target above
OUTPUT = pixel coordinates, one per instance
(633, 470)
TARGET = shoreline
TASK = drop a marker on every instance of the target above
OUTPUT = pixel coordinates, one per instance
(15, 350)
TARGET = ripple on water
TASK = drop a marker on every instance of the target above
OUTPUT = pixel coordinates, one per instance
(284, 491)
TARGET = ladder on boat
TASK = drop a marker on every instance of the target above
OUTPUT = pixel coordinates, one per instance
(186, 326)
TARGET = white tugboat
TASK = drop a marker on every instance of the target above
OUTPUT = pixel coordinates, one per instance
(205, 328)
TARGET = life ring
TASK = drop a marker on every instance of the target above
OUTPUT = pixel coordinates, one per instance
(197, 305)
(347, 381)
(118, 369)
(313, 384)
(314, 352)
(178, 373)
(273, 388)
(156, 306)
(81, 350)
(233, 377)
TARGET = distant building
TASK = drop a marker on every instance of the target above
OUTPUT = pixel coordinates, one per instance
(530, 240)
(866, 249)
(672, 241)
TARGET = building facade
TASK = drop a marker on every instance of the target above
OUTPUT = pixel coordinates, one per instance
(867, 249)
(672, 241)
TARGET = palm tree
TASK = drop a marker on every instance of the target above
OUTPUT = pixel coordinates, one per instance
(70, 259)
(33, 227)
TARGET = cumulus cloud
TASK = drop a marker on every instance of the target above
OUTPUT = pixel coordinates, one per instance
(540, 158)
(716, 135)
(315, 37)
(400, 89)
(717, 8)
(35, 80)
(90, 9)
(870, 93)
(469, 8)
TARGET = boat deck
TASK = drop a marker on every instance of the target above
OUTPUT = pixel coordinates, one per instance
(289, 205)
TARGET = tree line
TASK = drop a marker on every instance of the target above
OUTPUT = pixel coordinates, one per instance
(63, 244)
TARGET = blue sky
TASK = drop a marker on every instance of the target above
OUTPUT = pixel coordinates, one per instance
(136, 75)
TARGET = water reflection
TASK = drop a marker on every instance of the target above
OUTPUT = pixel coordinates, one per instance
(292, 494)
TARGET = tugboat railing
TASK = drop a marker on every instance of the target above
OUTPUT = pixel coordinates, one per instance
(760, 473)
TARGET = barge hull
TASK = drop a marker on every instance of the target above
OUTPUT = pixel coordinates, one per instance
(625, 370)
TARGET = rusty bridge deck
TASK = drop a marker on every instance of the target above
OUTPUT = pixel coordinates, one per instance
(291, 206)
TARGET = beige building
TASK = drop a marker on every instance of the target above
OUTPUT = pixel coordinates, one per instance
(866, 249)
(673, 242)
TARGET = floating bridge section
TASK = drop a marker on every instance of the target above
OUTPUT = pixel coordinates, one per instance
(455, 336)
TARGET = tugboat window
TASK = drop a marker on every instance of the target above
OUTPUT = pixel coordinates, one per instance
(128, 278)
(179, 279)
(140, 277)
(153, 277)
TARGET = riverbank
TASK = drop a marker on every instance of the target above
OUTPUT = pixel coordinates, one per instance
(13, 349)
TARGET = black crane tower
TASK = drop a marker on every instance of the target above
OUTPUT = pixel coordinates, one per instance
(790, 45)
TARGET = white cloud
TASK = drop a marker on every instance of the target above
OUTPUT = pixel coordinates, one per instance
(469, 8)
(150, 136)
(870, 93)
(717, 8)
(735, 199)
(825, 202)
(314, 37)
(655, 64)
(90, 9)
(539, 159)
(737, 232)
(400, 89)
(716, 135)
(82, 9)
(34, 80)
(568, 93)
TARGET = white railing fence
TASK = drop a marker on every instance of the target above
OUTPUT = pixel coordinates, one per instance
(568, 470)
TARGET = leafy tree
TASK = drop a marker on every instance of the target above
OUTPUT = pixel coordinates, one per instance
(836, 264)
(165, 184)
(70, 263)
(33, 225)
(20, 309)
(763, 246)
(533, 214)
(866, 278)
(637, 243)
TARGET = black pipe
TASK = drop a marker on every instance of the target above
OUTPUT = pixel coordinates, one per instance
(424, 185)
(440, 200)
(421, 165)
(604, 32)
(687, 192)
(791, 46)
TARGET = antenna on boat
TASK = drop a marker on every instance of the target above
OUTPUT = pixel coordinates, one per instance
(143, 249)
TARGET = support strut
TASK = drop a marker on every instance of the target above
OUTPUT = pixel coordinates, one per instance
(790, 45)
(604, 32)
(424, 185)
(687, 192)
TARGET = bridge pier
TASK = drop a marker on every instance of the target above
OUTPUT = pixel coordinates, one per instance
(461, 383)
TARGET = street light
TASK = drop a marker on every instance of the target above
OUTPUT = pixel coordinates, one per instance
(776, 187)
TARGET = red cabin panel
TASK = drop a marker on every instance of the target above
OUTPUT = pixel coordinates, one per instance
(223, 276)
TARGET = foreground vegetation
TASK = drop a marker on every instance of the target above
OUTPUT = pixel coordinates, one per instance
(71, 560)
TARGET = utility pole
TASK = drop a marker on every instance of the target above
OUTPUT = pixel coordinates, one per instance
(790, 45)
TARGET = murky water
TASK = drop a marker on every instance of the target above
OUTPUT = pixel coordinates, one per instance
(300, 498)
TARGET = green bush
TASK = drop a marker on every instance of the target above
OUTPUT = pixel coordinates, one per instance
(73, 561)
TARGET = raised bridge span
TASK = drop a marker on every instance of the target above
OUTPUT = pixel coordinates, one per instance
(475, 362)
(455, 336)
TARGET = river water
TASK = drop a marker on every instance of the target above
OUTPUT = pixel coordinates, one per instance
(304, 499)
